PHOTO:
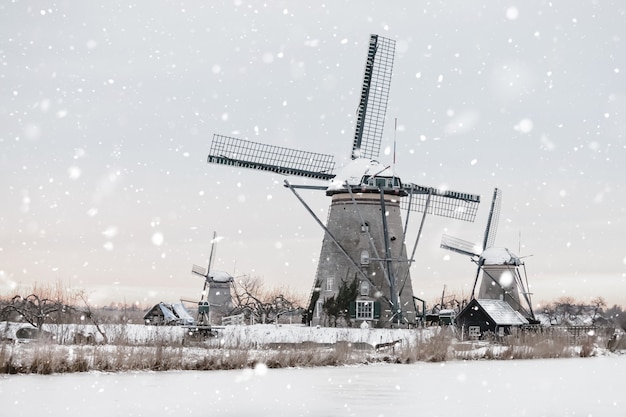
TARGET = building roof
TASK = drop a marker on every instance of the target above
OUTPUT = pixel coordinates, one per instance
(499, 256)
(501, 312)
(170, 313)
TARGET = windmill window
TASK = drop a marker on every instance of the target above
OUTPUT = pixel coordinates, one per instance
(365, 288)
(330, 284)
(365, 227)
(318, 309)
(365, 258)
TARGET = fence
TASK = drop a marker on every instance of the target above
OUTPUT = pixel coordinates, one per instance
(235, 320)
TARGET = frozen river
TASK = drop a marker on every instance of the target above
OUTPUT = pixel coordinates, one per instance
(553, 387)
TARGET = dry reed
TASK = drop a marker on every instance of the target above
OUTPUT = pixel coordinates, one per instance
(160, 354)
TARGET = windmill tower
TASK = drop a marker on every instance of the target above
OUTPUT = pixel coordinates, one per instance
(364, 237)
(503, 273)
(216, 302)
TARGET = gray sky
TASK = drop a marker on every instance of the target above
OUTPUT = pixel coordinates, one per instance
(107, 110)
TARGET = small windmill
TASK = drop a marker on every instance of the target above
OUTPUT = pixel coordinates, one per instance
(502, 269)
(218, 297)
(364, 236)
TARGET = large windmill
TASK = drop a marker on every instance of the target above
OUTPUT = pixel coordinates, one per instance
(364, 237)
(503, 273)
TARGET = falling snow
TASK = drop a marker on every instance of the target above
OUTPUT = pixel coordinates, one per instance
(106, 119)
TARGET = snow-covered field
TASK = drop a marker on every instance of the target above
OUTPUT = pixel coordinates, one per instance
(552, 387)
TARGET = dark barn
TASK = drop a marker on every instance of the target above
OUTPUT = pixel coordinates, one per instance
(482, 317)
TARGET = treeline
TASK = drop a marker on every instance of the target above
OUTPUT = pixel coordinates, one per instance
(567, 310)
(58, 304)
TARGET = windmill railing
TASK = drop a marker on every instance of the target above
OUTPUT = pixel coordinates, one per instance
(368, 189)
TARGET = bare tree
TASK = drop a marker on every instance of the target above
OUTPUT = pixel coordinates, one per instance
(48, 303)
(260, 305)
(598, 304)
(34, 309)
(89, 315)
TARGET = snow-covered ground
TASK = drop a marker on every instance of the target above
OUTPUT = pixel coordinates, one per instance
(553, 387)
(229, 336)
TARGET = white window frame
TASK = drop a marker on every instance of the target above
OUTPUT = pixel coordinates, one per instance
(364, 310)
(330, 284)
(473, 332)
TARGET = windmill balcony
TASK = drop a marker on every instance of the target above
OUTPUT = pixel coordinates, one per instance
(370, 189)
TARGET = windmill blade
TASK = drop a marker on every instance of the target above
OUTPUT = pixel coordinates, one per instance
(461, 246)
(226, 150)
(199, 270)
(445, 203)
(492, 221)
(374, 95)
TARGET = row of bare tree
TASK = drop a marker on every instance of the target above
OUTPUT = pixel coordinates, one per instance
(56, 304)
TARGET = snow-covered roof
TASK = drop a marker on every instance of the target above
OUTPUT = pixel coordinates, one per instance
(501, 312)
(220, 276)
(499, 256)
(182, 313)
(354, 171)
(167, 313)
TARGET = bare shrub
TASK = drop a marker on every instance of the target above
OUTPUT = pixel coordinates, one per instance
(309, 357)
(437, 348)
(7, 360)
(587, 348)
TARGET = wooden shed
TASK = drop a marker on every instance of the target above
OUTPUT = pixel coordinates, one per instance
(486, 316)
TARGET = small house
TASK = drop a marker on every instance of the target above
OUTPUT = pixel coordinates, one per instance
(486, 316)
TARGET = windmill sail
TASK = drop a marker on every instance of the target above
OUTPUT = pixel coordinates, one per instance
(286, 161)
(444, 203)
(492, 221)
(461, 246)
(374, 95)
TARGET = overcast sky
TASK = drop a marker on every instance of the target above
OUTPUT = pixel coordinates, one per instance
(107, 110)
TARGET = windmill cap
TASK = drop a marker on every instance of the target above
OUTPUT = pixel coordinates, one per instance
(220, 276)
(499, 256)
(356, 169)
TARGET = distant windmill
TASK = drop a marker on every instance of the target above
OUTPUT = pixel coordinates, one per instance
(364, 237)
(218, 297)
(502, 269)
